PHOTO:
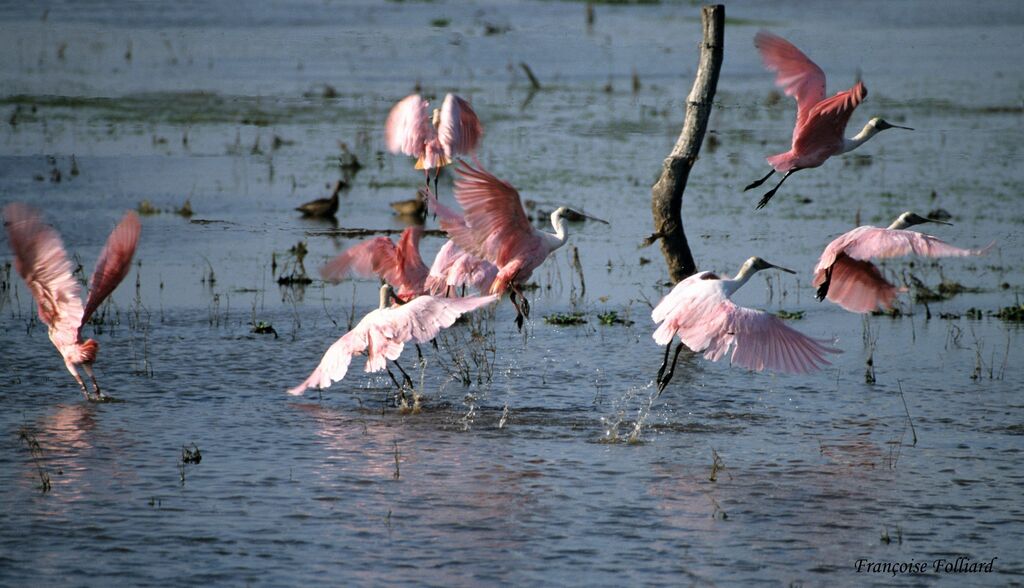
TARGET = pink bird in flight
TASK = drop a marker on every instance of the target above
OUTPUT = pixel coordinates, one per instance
(846, 276)
(699, 311)
(820, 121)
(433, 139)
(402, 267)
(382, 335)
(495, 228)
(40, 259)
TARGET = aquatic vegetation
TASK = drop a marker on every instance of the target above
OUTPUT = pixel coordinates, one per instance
(794, 315)
(28, 437)
(566, 319)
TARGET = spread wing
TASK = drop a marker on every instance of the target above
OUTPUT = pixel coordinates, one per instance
(408, 127)
(797, 75)
(496, 227)
(334, 364)
(882, 243)
(459, 130)
(763, 341)
(826, 121)
(423, 318)
(40, 259)
(375, 257)
(858, 286)
(114, 262)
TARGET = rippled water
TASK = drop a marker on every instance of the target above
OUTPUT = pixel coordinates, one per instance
(553, 465)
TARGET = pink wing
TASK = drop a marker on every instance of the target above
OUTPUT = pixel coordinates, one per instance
(459, 129)
(40, 260)
(408, 127)
(114, 262)
(334, 364)
(496, 227)
(857, 285)
(681, 311)
(825, 122)
(436, 282)
(763, 341)
(366, 260)
(419, 320)
(798, 76)
(882, 243)
(412, 272)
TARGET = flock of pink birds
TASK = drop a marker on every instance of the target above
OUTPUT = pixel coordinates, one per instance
(494, 249)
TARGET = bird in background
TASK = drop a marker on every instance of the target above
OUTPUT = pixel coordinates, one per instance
(382, 335)
(323, 207)
(400, 265)
(495, 227)
(846, 276)
(434, 139)
(40, 259)
(699, 312)
(820, 121)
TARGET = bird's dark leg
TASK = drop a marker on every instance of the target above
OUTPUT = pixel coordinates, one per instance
(822, 291)
(664, 363)
(78, 378)
(405, 376)
(671, 371)
(768, 195)
(401, 389)
(757, 183)
(419, 354)
(519, 311)
(95, 384)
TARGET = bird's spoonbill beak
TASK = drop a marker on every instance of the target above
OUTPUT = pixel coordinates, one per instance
(779, 267)
(883, 125)
(594, 218)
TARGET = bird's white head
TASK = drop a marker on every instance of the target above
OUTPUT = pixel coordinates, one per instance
(564, 213)
(909, 219)
(754, 265)
(880, 124)
(387, 294)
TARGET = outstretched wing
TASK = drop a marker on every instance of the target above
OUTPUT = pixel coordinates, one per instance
(423, 318)
(496, 227)
(334, 364)
(40, 259)
(459, 130)
(408, 127)
(882, 243)
(681, 311)
(114, 262)
(763, 341)
(797, 75)
(375, 257)
(826, 121)
(411, 271)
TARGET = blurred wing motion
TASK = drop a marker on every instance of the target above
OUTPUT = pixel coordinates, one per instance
(797, 75)
(453, 267)
(825, 122)
(40, 259)
(408, 129)
(384, 332)
(399, 265)
(459, 130)
(114, 262)
(855, 283)
(706, 321)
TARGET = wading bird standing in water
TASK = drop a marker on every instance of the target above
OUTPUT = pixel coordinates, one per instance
(323, 207)
(699, 311)
(382, 335)
(40, 259)
(434, 139)
(820, 121)
(495, 227)
(846, 276)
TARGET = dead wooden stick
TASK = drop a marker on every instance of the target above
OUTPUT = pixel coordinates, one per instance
(667, 193)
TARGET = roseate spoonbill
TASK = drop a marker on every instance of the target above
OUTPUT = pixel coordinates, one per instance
(454, 268)
(435, 140)
(495, 228)
(820, 121)
(40, 259)
(699, 311)
(399, 265)
(846, 276)
(323, 207)
(382, 334)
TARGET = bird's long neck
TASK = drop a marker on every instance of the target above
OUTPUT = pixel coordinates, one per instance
(558, 239)
(899, 224)
(860, 138)
(741, 278)
(383, 297)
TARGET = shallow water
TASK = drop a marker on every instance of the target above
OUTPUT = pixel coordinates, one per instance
(528, 475)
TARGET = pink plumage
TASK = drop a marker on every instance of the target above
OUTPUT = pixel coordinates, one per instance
(820, 121)
(699, 312)
(434, 139)
(847, 276)
(382, 335)
(40, 259)
(399, 265)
